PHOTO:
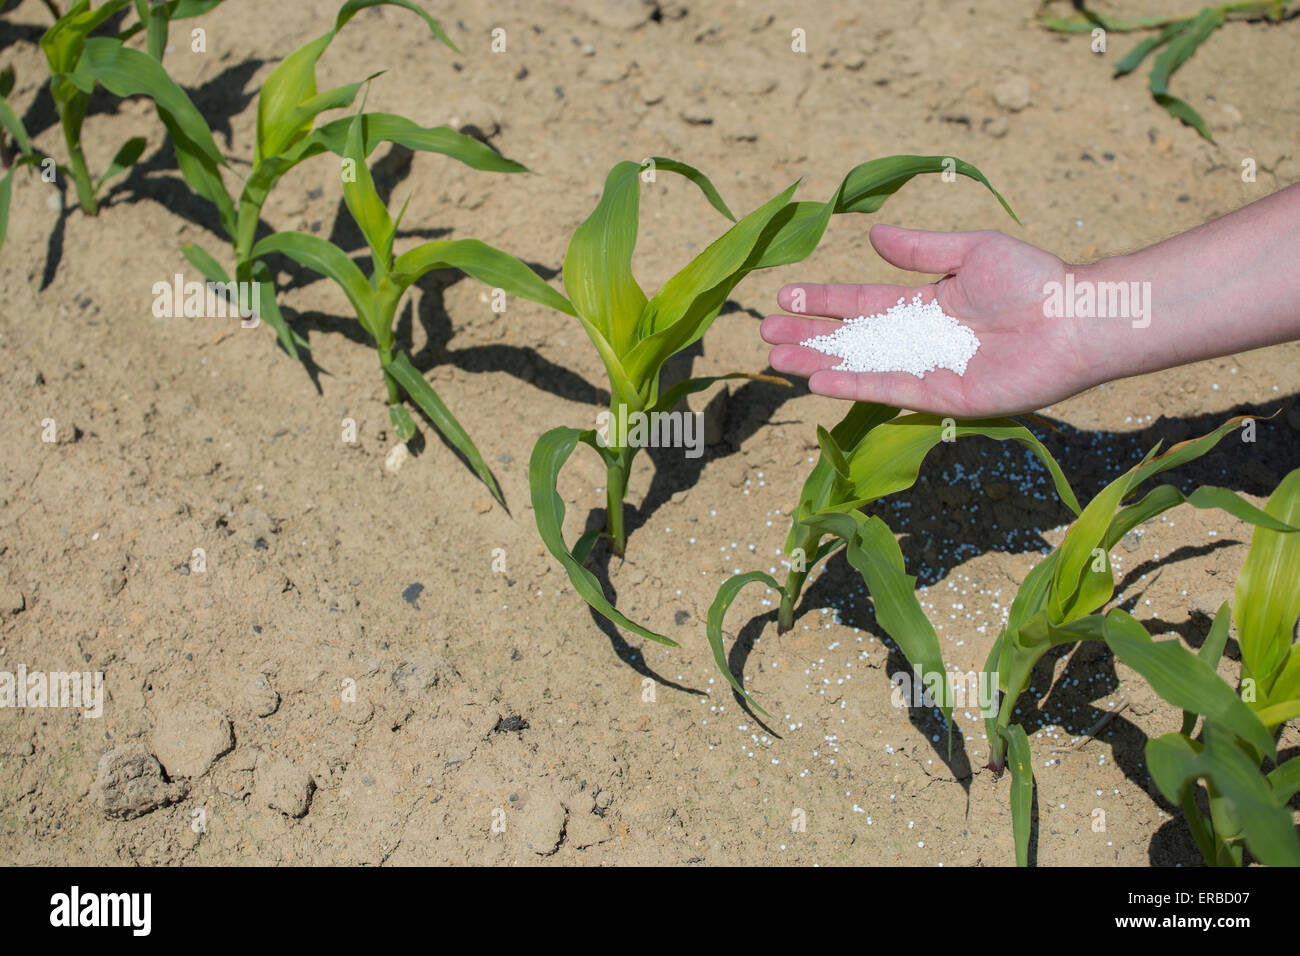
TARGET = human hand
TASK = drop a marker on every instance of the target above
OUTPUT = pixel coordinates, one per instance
(993, 284)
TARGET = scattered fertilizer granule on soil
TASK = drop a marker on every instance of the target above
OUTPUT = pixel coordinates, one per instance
(907, 337)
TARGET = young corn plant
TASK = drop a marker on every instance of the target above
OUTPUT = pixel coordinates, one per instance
(1059, 600)
(1176, 37)
(287, 110)
(64, 45)
(873, 452)
(375, 299)
(636, 334)
(1247, 807)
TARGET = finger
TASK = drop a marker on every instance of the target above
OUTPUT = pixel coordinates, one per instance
(846, 301)
(939, 393)
(797, 360)
(936, 253)
(782, 329)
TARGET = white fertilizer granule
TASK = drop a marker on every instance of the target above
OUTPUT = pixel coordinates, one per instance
(907, 337)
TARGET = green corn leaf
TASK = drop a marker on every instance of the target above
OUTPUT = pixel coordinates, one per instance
(65, 40)
(363, 202)
(1179, 51)
(13, 125)
(1021, 765)
(598, 263)
(201, 173)
(303, 116)
(6, 194)
(290, 340)
(549, 455)
(124, 159)
(1184, 680)
(717, 611)
(352, 7)
(7, 77)
(422, 393)
(680, 312)
(127, 72)
(1285, 780)
(832, 453)
(794, 234)
(329, 260)
(402, 423)
(291, 83)
(1164, 497)
(1176, 763)
(1133, 59)
(848, 434)
(889, 457)
(283, 116)
(156, 20)
(202, 260)
(663, 164)
(1088, 20)
(187, 9)
(1275, 715)
(1211, 651)
(489, 265)
(1268, 593)
(389, 128)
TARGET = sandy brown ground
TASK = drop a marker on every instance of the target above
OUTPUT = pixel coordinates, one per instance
(179, 434)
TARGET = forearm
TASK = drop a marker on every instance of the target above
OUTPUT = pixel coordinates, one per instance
(1227, 286)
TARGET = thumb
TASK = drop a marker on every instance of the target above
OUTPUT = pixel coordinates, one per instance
(934, 253)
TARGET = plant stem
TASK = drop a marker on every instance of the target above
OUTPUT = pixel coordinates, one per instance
(615, 489)
(394, 390)
(80, 172)
(789, 597)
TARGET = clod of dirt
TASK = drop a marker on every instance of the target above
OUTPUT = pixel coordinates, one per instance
(618, 14)
(510, 725)
(542, 825)
(1012, 93)
(414, 677)
(189, 738)
(283, 785)
(12, 602)
(130, 783)
(260, 697)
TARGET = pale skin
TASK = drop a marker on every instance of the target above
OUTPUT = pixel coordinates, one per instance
(1225, 287)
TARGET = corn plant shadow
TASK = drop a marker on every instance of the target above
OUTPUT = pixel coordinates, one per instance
(599, 565)
(741, 649)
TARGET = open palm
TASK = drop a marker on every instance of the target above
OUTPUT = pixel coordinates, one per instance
(992, 283)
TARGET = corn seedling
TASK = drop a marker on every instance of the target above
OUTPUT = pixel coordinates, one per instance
(65, 45)
(873, 452)
(1177, 38)
(287, 109)
(1058, 601)
(375, 300)
(1246, 806)
(636, 335)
